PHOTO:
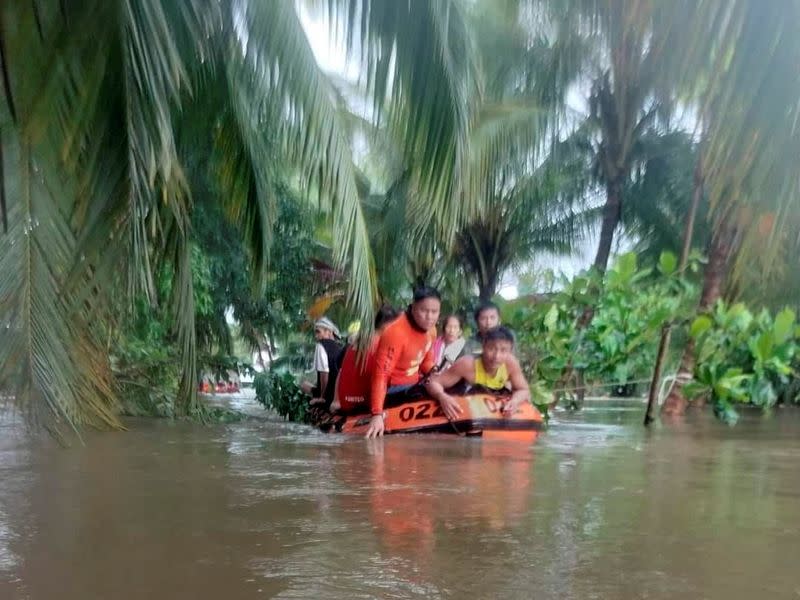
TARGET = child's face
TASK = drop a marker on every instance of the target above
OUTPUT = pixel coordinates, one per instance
(496, 353)
(488, 319)
(452, 330)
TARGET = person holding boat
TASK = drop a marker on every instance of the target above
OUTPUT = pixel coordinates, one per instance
(326, 363)
(404, 354)
(495, 369)
(353, 383)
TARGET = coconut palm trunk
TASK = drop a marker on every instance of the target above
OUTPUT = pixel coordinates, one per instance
(487, 288)
(612, 212)
(691, 217)
(721, 249)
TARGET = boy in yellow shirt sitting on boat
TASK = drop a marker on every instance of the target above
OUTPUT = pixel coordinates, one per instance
(496, 369)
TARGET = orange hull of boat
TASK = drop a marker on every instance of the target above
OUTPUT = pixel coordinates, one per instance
(482, 415)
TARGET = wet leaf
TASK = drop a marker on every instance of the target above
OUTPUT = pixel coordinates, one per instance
(551, 318)
(739, 316)
(667, 263)
(762, 346)
(784, 325)
(726, 413)
(700, 325)
(695, 389)
(625, 268)
(762, 393)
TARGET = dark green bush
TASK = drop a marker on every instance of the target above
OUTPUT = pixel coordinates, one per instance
(279, 391)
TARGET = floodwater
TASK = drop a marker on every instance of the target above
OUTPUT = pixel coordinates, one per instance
(596, 508)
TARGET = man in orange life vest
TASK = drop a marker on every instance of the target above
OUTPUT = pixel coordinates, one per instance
(405, 351)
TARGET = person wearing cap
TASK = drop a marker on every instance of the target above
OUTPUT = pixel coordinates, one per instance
(326, 362)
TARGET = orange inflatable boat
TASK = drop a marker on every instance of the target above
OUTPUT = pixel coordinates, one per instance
(482, 415)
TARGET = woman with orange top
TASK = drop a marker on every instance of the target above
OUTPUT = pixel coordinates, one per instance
(405, 351)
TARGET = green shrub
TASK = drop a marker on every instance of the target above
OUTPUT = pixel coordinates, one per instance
(618, 348)
(279, 391)
(745, 358)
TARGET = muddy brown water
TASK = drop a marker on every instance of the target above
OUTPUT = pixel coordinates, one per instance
(596, 508)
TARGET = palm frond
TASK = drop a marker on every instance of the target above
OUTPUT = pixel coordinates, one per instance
(750, 115)
(420, 67)
(49, 360)
(659, 193)
(281, 87)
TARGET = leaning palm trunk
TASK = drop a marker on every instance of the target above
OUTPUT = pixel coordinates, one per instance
(697, 196)
(612, 212)
(721, 249)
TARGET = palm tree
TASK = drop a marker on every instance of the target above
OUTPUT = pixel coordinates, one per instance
(628, 70)
(538, 209)
(522, 188)
(100, 97)
(748, 94)
(659, 195)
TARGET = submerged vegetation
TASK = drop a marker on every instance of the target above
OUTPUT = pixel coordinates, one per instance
(181, 185)
(745, 358)
(279, 391)
(741, 358)
(617, 349)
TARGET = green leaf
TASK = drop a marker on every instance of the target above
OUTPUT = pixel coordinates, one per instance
(551, 318)
(626, 266)
(731, 386)
(726, 413)
(700, 325)
(779, 366)
(667, 263)
(784, 325)
(762, 393)
(694, 389)
(657, 318)
(762, 346)
(739, 316)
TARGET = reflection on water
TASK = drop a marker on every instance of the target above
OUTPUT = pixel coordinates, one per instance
(596, 508)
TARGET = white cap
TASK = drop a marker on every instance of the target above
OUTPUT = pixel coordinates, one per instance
(326, 323)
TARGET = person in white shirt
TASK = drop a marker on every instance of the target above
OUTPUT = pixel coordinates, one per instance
(326, 362)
